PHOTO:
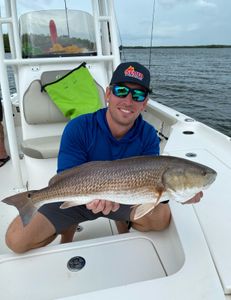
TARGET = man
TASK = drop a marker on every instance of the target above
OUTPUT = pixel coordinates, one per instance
(115, 132)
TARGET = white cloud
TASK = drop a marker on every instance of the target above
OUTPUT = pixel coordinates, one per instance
(206, 3)
(201, 3)
(170, 30)
(192, 27)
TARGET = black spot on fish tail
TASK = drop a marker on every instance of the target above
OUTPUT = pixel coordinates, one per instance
(24, 205)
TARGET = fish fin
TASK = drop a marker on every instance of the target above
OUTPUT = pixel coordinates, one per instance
(68, 204)
(23, 204)
(143, 209)
(61, 176)
(54, 179)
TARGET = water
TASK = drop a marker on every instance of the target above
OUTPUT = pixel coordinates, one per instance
(194, 81)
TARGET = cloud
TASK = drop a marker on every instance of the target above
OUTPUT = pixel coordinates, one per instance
(200, 3)
(192, 27)
(174, 30)
(206, 3)
(165, 33)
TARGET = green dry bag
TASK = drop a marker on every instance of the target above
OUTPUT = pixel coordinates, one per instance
(75, 93)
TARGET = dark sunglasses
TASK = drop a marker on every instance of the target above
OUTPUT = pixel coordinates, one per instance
(123, 91)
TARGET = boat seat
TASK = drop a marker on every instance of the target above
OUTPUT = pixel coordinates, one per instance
(43, 147)
(39, 109)
(35, 98)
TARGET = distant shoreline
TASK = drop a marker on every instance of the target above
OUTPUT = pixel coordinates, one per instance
(7, 49)
(196, 46)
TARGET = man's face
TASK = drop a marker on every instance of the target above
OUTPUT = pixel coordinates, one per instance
(124, 111)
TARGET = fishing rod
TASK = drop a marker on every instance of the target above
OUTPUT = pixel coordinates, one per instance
(152, 29)
(68, 30)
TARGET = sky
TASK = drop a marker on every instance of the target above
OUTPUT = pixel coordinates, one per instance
(176, 22)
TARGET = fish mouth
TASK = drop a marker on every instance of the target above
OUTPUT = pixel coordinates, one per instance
(211, 178)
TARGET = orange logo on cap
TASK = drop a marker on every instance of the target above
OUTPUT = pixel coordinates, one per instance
(130, 71)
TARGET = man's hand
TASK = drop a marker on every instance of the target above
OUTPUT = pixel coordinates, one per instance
(194, 199)
(103, 206)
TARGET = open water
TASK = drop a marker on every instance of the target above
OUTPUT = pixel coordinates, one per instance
(194, 81)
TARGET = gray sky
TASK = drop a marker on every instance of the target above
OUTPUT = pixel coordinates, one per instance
(176, 22)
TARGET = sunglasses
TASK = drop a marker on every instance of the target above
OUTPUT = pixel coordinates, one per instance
(123, 91)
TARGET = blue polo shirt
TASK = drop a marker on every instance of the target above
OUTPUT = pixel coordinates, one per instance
(88, 137)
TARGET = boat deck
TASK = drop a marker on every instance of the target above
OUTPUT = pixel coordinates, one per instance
(173, 254)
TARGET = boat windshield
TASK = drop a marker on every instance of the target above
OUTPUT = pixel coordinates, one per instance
(48, 33)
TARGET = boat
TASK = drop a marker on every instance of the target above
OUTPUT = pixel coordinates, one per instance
(188, 260)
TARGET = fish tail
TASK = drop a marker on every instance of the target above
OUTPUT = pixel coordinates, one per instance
(24, 205)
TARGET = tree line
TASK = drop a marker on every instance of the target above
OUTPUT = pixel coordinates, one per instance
(6, 42)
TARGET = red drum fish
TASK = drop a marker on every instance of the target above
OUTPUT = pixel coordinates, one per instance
(142, 180)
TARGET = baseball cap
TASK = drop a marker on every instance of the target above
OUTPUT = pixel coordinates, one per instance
(132, 72)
